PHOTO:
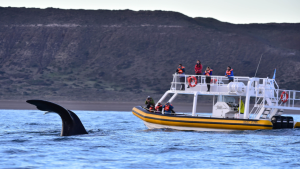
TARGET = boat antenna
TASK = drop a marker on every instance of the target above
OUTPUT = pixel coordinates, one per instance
(258, 63)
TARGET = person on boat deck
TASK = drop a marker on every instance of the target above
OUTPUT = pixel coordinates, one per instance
(149, 101)
(229, 74)
(181, 71)
(208, 73)
(158, 108)
(168, 108)
(198, 69)
(151, 108)
(241, 105)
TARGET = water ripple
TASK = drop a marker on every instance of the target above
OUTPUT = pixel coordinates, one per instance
(120, 140)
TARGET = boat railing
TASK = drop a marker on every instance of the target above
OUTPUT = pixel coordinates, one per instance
(270, 101)
(281, 98)
(256, 109)
(180, 82)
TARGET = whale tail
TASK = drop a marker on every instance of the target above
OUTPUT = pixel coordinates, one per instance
(71, 124)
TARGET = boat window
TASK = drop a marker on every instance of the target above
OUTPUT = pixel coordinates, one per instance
(220, 98)
(229, 99)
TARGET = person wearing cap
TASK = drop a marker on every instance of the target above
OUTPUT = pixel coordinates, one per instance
(168, 108)
(149, 101)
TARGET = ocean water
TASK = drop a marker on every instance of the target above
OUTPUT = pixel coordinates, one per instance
(29, 139)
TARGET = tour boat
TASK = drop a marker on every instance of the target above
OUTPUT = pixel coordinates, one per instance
(269, 103)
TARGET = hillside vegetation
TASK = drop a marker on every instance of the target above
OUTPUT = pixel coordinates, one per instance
(103, 55)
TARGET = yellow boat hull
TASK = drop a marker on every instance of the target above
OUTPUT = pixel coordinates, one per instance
(155, 120)
(297, 125)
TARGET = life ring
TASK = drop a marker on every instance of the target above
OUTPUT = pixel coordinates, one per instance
(213, 81)
(284, 97)
(192, 79)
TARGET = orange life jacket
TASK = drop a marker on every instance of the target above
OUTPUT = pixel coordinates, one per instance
(167, 107)
(151, 108)
(180, 71)
(228, 72)
(157, 107)
(207, 73)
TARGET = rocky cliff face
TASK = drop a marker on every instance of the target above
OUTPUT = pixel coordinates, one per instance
(126, 55)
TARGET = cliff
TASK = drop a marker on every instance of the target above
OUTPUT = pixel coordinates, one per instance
(105, 55)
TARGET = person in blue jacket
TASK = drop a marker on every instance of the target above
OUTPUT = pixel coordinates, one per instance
(229, 74)
(168, 108)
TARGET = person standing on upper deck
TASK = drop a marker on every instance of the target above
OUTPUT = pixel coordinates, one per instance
(208, 73)
(181, 71)
(198, 69)
(229, 74)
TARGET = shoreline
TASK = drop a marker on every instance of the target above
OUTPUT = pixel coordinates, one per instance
(109, 106)
(99, 106)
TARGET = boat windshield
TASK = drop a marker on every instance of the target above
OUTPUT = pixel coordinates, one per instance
(227, 99)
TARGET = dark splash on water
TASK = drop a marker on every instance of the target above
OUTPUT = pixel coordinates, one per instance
(30, 139)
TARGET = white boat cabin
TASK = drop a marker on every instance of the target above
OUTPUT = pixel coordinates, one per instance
(269, 99)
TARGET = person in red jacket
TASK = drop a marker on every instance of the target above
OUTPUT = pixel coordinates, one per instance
(198, 69)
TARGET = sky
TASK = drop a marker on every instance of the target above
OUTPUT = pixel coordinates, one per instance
(233, 11)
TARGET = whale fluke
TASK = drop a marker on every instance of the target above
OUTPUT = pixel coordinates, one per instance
(71, 124)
